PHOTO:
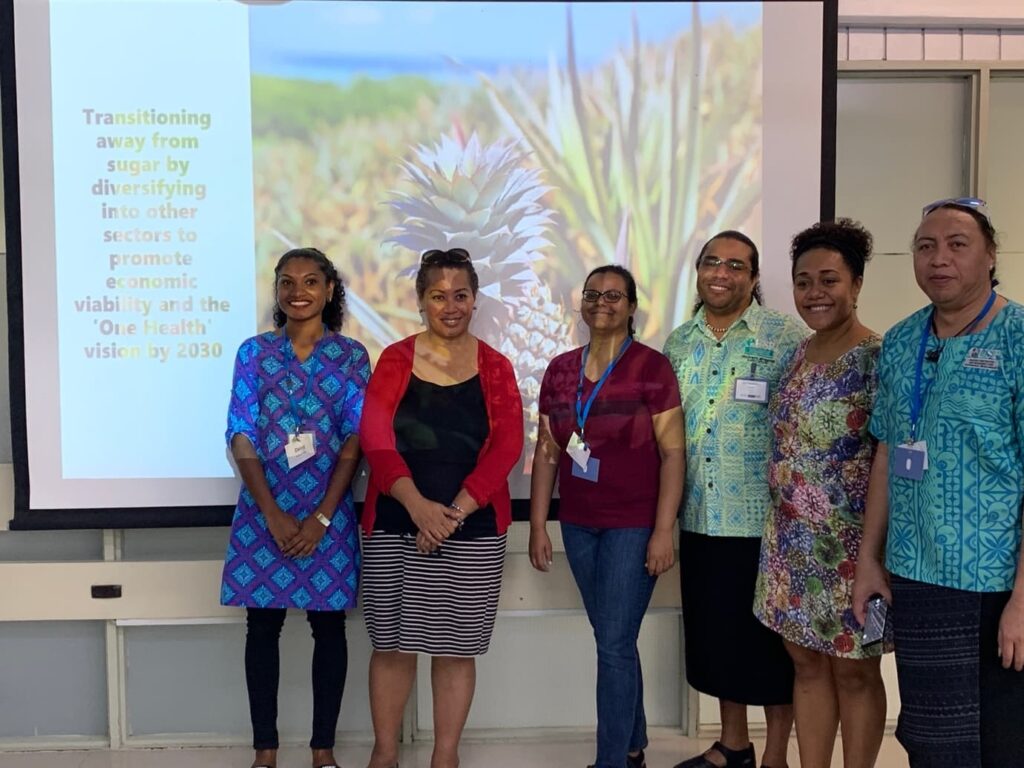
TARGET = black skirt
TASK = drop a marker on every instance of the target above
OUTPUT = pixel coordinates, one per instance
(729, 654)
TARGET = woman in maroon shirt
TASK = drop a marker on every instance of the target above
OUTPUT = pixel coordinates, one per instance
(442, 428)
(611, 429)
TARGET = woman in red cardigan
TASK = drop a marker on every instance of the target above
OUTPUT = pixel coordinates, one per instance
(442, 428)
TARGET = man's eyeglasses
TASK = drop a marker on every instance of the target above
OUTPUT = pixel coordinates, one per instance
(974, 203)
(711, 263)
(452, 255)
(612, 297)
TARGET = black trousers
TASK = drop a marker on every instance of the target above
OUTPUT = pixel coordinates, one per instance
(263, 671)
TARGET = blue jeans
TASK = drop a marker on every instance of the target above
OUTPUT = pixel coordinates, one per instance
(608, 565)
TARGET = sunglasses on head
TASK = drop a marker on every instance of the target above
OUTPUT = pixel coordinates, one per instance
(455, 255)
(974, 203)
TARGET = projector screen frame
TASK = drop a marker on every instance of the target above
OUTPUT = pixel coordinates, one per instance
(26, 518)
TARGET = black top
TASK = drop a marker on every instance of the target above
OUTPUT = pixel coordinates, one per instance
(439, 432)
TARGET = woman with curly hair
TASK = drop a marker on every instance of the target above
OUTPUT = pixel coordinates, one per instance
(296, 402)
(818, 478)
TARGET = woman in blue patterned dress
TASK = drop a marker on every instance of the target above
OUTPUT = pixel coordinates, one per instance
(818, 477)
(296, 402)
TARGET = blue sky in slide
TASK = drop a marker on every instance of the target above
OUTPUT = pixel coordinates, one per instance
(336, 40)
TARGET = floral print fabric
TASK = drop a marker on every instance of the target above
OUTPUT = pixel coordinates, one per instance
(818, 477)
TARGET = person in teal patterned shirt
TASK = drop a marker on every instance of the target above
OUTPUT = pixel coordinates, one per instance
(728, 360)
(944, 500)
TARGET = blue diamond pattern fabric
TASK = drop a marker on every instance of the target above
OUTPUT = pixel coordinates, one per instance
(264, 558)
(243, 575)
(282, 577)
(320, 580)
(335, 375)
(271, 365)
(246, 534)
(331, 386)
(306, 482)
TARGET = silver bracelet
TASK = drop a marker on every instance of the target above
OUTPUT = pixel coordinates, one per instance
(462, 514)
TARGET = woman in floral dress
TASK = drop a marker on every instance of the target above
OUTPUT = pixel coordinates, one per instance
(818, 477)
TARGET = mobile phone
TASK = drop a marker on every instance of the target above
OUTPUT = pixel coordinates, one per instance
(875, 622)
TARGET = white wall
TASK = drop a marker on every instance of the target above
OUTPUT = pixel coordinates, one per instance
(931, 30)
(926, 13)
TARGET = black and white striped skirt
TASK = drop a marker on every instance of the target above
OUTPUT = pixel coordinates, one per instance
(439, 604)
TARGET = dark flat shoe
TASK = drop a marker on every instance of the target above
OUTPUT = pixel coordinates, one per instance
(631, 762)
(734, 758)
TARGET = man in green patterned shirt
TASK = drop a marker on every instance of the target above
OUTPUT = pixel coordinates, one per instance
(728, 360)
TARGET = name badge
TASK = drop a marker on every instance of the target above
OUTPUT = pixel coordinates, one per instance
(910, 461)
(751, 390)
(300, 447)
(985, 359)
(761, 353)
(578, 451)
(588, 472)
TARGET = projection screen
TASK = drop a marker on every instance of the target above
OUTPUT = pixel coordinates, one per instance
(160, 155)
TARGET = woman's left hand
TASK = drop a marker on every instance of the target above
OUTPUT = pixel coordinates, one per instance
(1011, 633)
(660, 553)
(305, 542)
(424, 545)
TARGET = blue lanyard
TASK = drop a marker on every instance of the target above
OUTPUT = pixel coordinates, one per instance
(291, 360)
(583, 411)
(919, 395)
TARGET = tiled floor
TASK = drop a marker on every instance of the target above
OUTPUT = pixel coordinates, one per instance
(664, 752)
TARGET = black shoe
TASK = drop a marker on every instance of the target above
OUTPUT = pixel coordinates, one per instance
(636, 762)
(734, 758)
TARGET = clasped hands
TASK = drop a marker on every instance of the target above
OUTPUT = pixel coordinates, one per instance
(435, 521)
(293, 537)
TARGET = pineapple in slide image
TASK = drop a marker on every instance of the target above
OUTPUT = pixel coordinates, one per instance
(486, 200)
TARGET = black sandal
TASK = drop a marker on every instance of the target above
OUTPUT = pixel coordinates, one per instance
(734, 758)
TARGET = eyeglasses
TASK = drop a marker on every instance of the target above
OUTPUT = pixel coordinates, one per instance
(452, 255)
(711, 263)
(974, 203)
(612, 297)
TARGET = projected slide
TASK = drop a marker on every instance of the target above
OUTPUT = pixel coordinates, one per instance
(154, 233)
(187, 144)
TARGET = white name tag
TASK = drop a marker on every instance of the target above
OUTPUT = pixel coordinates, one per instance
(986, 359)
(911, 461)
(300, 448)
(578, 451)
(751, 390)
